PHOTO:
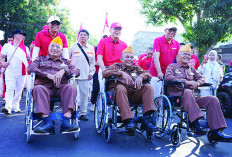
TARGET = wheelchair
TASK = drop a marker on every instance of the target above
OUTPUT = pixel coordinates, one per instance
(32, 120)
(167, 107)
(107, 117)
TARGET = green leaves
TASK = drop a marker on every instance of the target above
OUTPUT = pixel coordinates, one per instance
(206, 21)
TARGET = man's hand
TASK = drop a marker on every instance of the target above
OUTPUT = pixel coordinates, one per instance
(90, 77)
(51, 77)
(58, 77)
(138, 82)
(161, 76)
(127, 77)
(192, 84)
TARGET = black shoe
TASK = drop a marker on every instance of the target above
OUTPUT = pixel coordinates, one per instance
(130, 125)
(83, 117)
(147, 125)
(48, 127)
(197, 128)
(66, 126)
(219, 136)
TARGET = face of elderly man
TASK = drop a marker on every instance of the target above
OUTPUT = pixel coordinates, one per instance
(184, 57)
(170, 33)
(116, 32)
(54, 26)
(127, 59)
(55, 50)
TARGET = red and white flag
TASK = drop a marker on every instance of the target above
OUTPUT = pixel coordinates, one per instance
(106, 26)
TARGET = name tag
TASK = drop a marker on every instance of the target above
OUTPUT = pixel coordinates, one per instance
(134, 75)
(191, 73)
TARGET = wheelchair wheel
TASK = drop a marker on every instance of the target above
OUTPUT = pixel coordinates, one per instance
(211, 141)
(29, 129)
(100, 112)
(176, 137)
(108, 131)
(150, 135)
(163, 115)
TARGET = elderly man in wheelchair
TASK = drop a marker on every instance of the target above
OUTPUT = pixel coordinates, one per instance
(191, 78)
(130, 87)
(52, 76)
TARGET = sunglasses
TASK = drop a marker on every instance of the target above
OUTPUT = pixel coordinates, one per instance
(55, 23)
(172, 30)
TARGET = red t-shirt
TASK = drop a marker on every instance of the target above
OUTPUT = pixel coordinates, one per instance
(110, 50)
(196, 59)
(144, 62)
(43, 40)
(168, 52)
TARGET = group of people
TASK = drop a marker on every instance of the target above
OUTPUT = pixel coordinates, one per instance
(52, 63)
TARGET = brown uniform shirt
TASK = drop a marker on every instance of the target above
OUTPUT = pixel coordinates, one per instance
(44, 65)
(179, 72)
(117, 68)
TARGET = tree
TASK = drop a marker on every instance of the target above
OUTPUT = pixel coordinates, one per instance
(31, 15)
(206, 22)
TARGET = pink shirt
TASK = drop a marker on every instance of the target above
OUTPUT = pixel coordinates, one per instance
(144, 62)
(110, 50)
(43, 40)
(0, 48)
(196, 61)
(168, 52)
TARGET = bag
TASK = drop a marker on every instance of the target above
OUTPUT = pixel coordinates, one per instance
(86, 57)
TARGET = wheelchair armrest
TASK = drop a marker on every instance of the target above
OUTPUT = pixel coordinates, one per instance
(111, 78)
(173, 83)
(147, 81)
(206, 85)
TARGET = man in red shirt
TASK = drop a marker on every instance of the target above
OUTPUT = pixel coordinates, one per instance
(144, 60)
(165, 49)
(110, 49)
(44, 38)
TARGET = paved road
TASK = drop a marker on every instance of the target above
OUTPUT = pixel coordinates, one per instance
(13, 142)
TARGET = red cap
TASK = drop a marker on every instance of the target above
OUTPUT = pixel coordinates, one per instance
(115, 24)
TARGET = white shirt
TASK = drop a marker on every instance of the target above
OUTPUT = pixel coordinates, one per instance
(78, 59)
(15, 66)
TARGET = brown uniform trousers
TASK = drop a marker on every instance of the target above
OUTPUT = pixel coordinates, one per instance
(42, 94)
(214, 114)
(126, 93)
(191, 103)
(143, 96)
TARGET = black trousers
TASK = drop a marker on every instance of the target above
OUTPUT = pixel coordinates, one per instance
(96, 89)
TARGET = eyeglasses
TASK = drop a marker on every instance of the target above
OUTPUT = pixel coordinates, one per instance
(55, 23)
(172, 30)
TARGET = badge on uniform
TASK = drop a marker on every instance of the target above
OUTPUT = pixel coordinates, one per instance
(134, 74)
(177, 71)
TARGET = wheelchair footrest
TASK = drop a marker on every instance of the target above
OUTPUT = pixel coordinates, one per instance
(54, 116)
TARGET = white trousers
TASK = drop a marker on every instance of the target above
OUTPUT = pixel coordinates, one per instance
(82, 95)
(157, 85)
(14, 88)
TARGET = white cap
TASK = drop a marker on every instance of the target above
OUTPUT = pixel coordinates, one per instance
(53, 18)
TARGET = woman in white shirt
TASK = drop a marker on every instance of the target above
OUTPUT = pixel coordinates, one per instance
(212, 72)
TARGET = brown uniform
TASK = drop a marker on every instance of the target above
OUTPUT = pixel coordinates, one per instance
(191, 103)
(45, 88)
(126, 93)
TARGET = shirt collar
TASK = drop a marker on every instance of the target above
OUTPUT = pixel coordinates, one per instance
(49, 58)
(85, 45)
(181, 65)
(164, 38)
(110, 38)
(123, 67)
(48, 34)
